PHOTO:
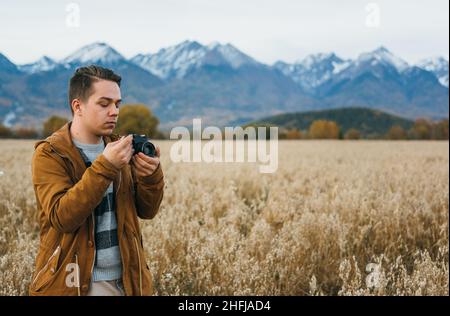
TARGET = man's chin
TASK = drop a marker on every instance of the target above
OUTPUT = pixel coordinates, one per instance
(106, 132)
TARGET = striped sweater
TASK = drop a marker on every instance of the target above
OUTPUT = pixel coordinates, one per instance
(108, 263)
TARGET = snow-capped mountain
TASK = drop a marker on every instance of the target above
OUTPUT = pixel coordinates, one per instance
(377, 79)
(313, 70)
(438, 66)
(178, 60)
(383, 57)
(43, 64)
(97, 52)
(222, 84)
(380, 63)
(173, 61)
(234, 57)
(324, 68)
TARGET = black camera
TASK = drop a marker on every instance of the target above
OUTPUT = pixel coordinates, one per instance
(143, 145)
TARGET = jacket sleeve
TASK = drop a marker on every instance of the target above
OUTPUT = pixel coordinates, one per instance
(149, 193)
(65, 205)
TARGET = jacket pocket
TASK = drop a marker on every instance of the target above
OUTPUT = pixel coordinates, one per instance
(47, 272)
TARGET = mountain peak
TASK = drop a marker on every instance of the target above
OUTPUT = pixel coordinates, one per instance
(44, 63)
(313, 70)
(313, 60)
(172, 61)
(97, 52)
(233, 56)
(384, 56)
(381, 50)
(45, 59)
(189, 44)
(178, 60)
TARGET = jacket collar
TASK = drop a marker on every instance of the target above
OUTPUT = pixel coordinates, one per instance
(61, 143)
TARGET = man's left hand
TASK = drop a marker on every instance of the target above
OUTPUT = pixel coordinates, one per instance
(144, 165)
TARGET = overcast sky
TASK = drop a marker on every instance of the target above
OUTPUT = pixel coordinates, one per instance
(268, 30)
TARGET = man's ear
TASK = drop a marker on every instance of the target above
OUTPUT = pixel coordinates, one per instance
(76, 106)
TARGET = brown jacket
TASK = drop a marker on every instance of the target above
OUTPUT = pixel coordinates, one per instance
(67, 194)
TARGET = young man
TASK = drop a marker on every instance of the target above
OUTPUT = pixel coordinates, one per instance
(90, 190)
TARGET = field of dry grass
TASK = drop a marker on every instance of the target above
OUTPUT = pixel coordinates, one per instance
(337, 218)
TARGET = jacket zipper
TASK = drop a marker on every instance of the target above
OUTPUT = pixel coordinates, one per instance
(46, 264)
(120, 248)
(140, 268)
(95, 247)
(120, 180)
(78, 274)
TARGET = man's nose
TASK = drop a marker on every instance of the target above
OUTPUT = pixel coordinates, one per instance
(114, 111)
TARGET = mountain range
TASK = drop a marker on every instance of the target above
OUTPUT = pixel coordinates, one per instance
(223, 85)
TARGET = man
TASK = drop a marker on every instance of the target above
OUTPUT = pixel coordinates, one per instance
(90, 190)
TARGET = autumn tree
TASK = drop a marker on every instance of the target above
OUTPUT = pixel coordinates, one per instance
(26, 133)
(53, 124)
(421, 129)
(294, 134)
(440, 130)
(5, 131)
(322, 129)
(352, 133)
(396, 132)
(137, 119)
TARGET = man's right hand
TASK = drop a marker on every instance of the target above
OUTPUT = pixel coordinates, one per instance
(119, 152)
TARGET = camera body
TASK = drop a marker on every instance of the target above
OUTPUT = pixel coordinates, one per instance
(142, 144)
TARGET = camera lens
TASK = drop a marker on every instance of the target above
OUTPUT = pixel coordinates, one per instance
(148, 149)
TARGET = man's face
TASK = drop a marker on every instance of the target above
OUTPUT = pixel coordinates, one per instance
(101, 110)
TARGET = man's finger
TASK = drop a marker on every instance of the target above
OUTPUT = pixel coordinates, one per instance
(126, 140)
(138, 165)
(147, 159)
(153, 165)
(125, 143)
(123, 140)
(142, 167)
(139, 160)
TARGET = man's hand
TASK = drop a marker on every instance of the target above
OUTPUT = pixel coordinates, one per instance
(119, 152)
(144, 165)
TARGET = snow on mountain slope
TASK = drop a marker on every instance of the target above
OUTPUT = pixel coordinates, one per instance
(43, 64)
(314, 69)
(176, 61)
(95, 53)
(382, 56)
(438, 66)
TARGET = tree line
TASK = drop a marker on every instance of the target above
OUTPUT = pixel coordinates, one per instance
(134, 118)
(422, 129)
(138, 118)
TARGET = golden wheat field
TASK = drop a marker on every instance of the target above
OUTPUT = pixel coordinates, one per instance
(337, 218)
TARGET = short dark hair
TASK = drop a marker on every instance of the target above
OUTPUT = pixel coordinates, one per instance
(80, 86)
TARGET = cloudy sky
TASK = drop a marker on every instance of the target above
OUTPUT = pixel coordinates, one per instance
(268, 30)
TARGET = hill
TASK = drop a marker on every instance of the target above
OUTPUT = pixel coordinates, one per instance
(368, 121)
